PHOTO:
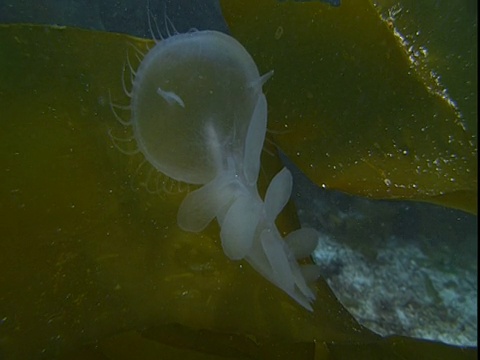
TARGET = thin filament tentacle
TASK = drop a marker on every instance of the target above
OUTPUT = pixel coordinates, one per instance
(148, 182)
(139, 52)
(124, 86)
(150, 16)
(115, 140)
(169, 25)
(118, 117)
(279, 132)
(133, 73)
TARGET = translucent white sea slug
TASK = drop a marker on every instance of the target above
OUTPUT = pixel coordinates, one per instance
(199, 116)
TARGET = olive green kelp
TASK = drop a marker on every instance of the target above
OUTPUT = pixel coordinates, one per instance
(91, 268)
(358, 107)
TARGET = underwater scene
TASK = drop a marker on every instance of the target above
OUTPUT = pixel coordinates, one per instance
(238, 179)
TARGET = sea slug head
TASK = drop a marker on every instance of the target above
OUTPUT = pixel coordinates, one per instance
(193, 99)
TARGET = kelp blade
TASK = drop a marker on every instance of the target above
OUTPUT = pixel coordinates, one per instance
(351, 109)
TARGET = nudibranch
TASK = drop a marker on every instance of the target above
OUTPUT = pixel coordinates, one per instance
(199, 116)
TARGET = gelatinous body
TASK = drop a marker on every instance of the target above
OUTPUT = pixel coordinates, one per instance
(199, 116)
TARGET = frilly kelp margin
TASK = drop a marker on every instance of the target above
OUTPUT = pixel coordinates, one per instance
(355, 107)
(91, 268)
